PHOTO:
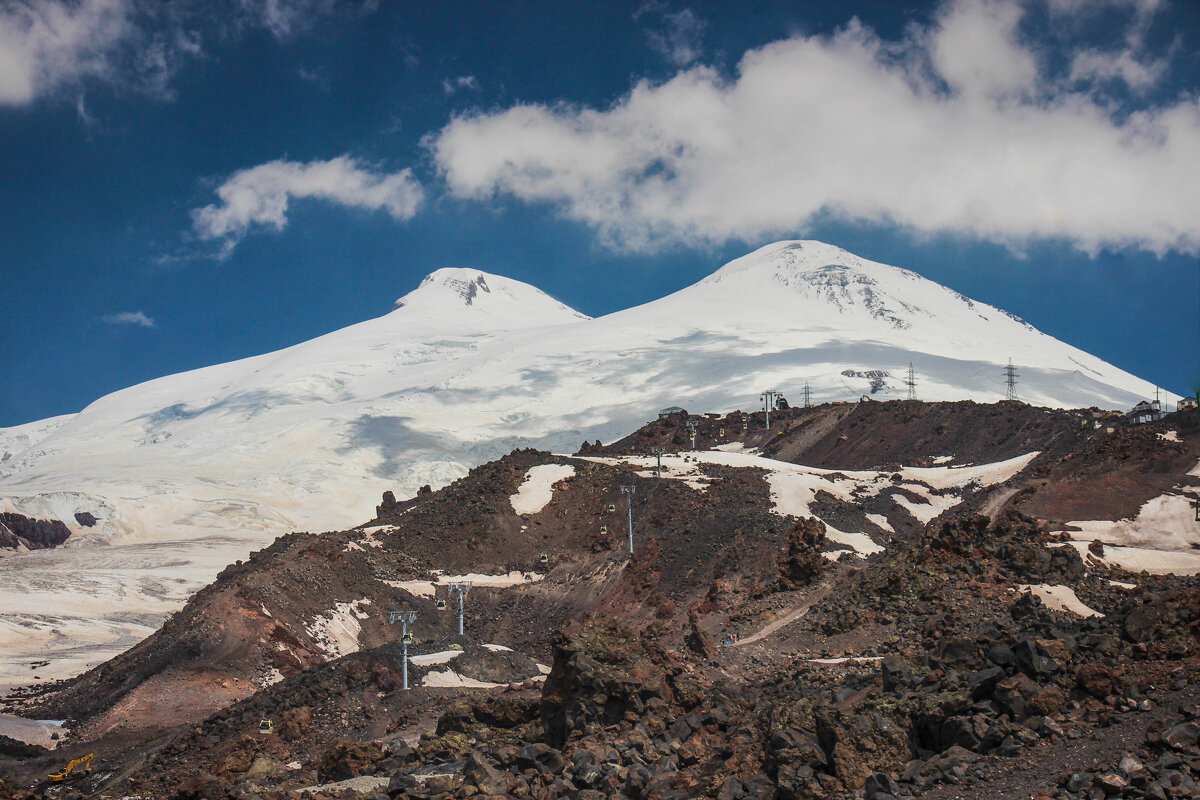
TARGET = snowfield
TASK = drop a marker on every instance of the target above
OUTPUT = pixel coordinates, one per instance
(211, 464)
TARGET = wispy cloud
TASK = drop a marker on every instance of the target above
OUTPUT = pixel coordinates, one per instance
(259, 196)
(960, 127)
(284, 18)
(316, 76)
(134, 318)
(677, 36)
(50, 45)
(452, 86)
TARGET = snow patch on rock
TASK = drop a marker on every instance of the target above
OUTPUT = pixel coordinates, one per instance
(1060, 598)
(440, 657)
(1141, 559)
(1166, 522)
(336, 632)
(537, 489)
(451, 679)
(429, 588)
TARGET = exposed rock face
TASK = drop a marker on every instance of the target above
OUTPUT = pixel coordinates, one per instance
(803, 562)
(698, 641)
(602, 672)
(86, 518)
(36, 534)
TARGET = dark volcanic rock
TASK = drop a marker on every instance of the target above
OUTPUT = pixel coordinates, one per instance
(36, 534)
(602, 672)
(803, 561)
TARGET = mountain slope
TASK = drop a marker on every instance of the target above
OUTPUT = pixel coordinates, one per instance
(192, 471)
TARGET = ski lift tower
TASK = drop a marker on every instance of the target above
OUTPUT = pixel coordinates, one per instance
(768, 397)
(462, 587)
(629, 491)
(405, 618)
(658, 451)
(691, 425)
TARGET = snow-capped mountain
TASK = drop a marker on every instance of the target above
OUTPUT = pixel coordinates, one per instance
(188, 472)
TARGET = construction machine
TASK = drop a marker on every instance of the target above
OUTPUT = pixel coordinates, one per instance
(69, 773)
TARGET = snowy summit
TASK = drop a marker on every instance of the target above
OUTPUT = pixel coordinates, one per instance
(197, 469)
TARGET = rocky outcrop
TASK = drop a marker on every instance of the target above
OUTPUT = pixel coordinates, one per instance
(601, 673)
(803, 562)
(17, 530)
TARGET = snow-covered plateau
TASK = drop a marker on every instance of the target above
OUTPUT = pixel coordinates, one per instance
(191, 471)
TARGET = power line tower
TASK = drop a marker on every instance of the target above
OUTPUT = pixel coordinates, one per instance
(807, 396)
(658, 451)
(768, 398)
(910, 380)
(405, 618)
(691, 425)
(1010, 380)
(629, 491)
(462, 588)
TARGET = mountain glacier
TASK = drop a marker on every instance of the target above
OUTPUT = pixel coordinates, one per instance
(188, 472)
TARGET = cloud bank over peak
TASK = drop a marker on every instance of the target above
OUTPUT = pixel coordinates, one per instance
(958, 128)
(259, 196)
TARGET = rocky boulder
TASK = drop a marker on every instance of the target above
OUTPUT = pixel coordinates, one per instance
(803, 562)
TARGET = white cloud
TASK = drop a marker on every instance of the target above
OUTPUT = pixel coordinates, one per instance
(260, 195)
(954, 129)
(135, 318)
(975, 49)
(47, 43)
(462, 82)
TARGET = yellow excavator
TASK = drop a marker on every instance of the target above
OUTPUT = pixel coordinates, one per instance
(69, 774)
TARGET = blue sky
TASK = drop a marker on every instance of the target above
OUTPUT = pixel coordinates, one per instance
(186, 183)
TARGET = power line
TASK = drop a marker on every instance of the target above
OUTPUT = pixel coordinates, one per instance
(1010, 380)
(807, 396)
